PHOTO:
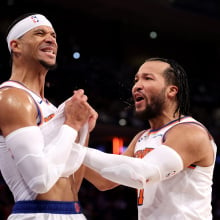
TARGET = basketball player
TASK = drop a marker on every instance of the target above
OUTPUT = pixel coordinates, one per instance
(171, 163)
(36, 161)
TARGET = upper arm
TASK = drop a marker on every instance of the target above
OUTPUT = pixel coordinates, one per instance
(17, 109)
(192, 143)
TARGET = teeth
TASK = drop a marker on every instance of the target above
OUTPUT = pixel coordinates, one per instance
(49, 51)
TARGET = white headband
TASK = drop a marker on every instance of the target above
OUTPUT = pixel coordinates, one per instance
(26, 25)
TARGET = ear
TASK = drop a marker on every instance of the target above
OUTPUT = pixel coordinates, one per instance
(15, 46)
(172, 91)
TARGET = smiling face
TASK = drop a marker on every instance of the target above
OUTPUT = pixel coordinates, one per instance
(39, 44)
(150, 90)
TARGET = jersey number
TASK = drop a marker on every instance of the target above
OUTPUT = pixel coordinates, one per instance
(141, 154)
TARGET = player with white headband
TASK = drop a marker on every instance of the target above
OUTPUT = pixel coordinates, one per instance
(37, 156)
(26, 25)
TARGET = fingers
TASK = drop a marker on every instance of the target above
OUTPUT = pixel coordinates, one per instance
(77, 110)
(80, 94)
(92, 118)
(93, 113)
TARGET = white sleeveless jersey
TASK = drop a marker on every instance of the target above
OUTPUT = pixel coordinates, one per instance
(9, 171)
(185, 196)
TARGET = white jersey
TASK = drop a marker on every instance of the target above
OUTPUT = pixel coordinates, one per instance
(9, 171)
(185, 196)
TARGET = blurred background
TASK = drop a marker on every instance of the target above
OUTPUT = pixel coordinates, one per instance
(101, 45)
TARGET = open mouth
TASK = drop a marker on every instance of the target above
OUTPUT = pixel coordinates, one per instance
(138, 98)
(49, 50)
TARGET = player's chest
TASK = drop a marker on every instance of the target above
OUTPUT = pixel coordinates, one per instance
(147, 142)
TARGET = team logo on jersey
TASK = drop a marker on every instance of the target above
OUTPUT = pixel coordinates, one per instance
(49, 117)
(142, 138)
(77, 207)
(171, 174)
(142, 153)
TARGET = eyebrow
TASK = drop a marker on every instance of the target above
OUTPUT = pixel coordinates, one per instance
(43, 30)
(39, 29)
(144, 74)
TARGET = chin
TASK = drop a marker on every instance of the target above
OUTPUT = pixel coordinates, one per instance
(140, 110)
(48, 65)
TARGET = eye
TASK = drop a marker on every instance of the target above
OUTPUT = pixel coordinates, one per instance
(148, 78)
(135, 80)
(40, 33)
(54, 35)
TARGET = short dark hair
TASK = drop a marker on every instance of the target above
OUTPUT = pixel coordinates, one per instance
(177, 76)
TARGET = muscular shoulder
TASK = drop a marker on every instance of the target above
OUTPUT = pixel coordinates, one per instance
(192, 142)
(17, 109)
(188, 132)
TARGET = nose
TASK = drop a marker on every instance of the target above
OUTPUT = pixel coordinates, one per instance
(138, 86)
(50, 39)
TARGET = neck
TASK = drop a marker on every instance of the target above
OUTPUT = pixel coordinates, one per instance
(162, 120)
(33, 80)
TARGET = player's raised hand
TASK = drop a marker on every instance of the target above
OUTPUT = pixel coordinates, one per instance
(77, 110)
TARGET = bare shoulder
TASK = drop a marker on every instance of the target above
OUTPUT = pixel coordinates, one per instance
(189, 132)
(192, 142)
(130, 150)
(17, 109)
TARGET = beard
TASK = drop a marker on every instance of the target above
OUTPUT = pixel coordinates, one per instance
(154, 109)
(48, 66)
